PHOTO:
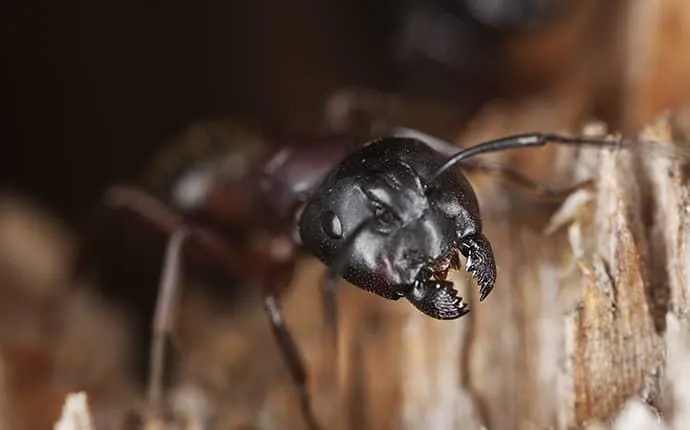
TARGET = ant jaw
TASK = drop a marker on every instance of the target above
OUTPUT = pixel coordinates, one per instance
(437, 299)
(480, 263)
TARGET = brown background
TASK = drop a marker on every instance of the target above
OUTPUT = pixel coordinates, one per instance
(572, 331)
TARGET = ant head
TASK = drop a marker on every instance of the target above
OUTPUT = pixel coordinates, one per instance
(394, 227)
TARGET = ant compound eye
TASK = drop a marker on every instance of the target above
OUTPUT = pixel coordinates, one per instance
(331, 225)
(384, 216)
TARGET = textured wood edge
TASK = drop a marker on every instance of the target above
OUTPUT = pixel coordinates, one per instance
(576, 331)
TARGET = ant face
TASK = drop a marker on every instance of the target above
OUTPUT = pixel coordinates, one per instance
(394, 233)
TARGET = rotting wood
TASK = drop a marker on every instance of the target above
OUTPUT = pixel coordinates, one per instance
(576, 326)
(586, 321)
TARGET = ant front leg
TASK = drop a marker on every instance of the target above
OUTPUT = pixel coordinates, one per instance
(329, 303)
(280, 277)
(205, 245)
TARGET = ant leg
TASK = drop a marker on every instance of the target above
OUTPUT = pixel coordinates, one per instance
(204, 245)
(329, 302)
(292, 357)
(207, 246)
(329, 283)
(163, 317)
(329, 306)
(542, 191)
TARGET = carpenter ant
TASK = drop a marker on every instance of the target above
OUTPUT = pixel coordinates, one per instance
(391, 216)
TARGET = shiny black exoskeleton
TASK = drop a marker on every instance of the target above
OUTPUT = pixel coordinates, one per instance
(391, 216)
(397, 228)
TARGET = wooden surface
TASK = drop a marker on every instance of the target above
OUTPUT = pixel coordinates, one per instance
(587, 327)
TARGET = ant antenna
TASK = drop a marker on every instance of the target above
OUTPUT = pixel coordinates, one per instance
(520, 141)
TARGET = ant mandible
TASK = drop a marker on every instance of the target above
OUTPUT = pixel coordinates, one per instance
(391, 216)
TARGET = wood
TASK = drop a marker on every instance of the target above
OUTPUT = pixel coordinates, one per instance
(587, 317)
(588, 326)
(583, 320)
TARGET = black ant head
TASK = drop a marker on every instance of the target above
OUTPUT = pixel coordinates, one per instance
(395, 227)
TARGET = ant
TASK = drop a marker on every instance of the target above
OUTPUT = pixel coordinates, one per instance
(390, 216)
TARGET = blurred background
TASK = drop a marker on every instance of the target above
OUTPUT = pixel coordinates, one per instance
(91, 92)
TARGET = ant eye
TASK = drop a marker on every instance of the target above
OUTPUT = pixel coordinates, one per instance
(384, 216)
(331, 225)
